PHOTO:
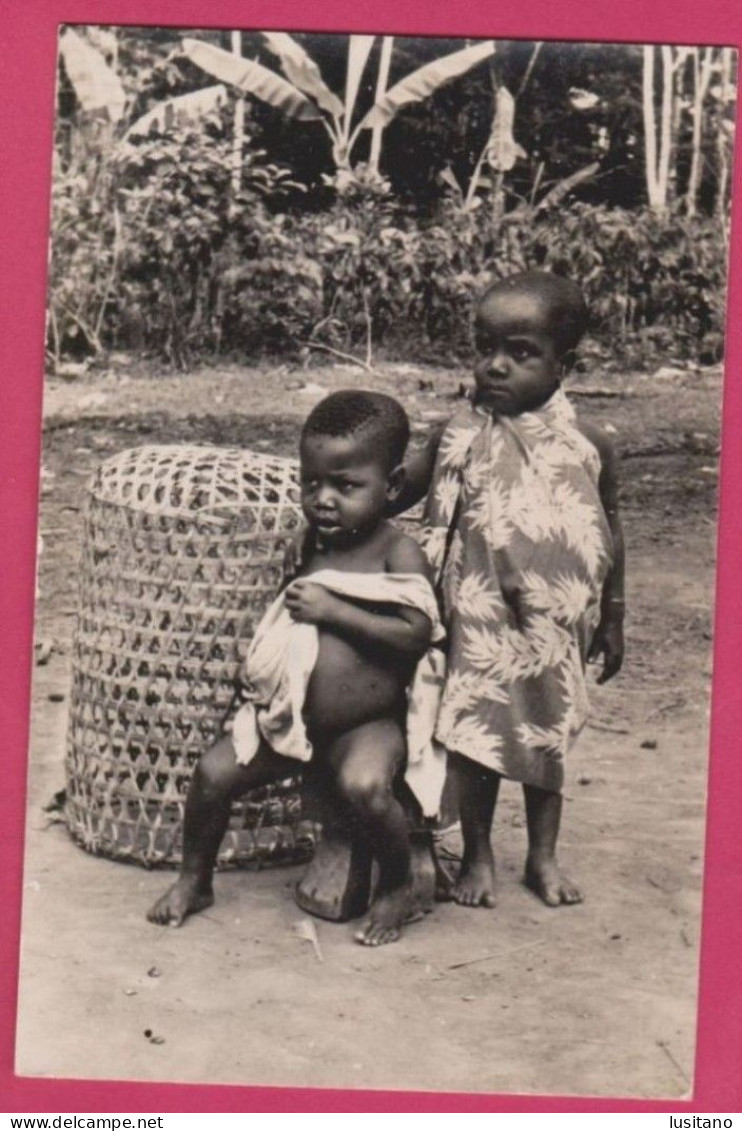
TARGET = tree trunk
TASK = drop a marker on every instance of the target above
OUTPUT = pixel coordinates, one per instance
(658, 151)
(722, 139)
(650, 127)
(701, 77)
(238, 136)
(666, 138)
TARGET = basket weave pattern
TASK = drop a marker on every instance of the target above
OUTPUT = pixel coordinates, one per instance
(182, 552)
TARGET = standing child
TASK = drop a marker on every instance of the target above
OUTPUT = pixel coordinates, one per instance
(523, 531)
(331, 666)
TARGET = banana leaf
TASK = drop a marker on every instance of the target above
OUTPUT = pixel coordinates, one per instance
(502, 149)
(425, 81)
(96, 85)
(177, 111)
(252, 78)
(302, 71)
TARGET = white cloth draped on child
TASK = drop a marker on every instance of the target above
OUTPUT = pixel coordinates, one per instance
(520, 543)
(280, 661)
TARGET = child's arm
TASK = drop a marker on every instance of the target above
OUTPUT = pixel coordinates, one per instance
(608, 641)
(405, 630)
(418, 471)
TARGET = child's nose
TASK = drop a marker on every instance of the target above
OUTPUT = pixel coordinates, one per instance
(498, 364)
(325, 496)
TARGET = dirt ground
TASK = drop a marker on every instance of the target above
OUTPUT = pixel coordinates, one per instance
(596, 999)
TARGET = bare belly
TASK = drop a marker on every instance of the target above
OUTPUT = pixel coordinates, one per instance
(350, 686)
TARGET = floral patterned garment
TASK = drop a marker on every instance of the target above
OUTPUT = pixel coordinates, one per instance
(518, 538)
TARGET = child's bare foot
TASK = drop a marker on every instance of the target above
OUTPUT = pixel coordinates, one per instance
(545, 879)
(475, 886)
(185, 897)
(386, 917)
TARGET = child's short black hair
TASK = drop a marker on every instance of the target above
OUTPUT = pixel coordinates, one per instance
(352, 411)
(565, 306)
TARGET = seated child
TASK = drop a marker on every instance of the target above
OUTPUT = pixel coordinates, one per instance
(523, 531)
(331, 665)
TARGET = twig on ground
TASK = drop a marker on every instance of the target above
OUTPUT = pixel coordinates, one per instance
(594, 391)
(596, 724)
(343, 356)
(496, 954)
(664, 708)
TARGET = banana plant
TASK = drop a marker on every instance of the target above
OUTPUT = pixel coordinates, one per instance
(175, 112)
(500, 152)
(96, 85)
(99, 91)
(303, 94)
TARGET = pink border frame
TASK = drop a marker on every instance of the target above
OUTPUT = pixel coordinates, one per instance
(27, 50)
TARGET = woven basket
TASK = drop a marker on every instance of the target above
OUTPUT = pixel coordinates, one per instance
(182, 552)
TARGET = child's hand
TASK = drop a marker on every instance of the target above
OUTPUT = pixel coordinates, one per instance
(308, 602)
(608, 643)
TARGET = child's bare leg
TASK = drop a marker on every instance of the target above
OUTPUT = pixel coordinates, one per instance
(478, 788)
(217, 781)
(543, 814)
(365, 762)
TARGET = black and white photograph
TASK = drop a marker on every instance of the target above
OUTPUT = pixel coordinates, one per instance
(378, 515)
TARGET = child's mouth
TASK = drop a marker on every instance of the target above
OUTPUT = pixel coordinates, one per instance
(493, 393)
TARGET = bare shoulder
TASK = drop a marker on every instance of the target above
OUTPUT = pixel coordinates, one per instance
(404, 555)
(608, 484)
(601, 442)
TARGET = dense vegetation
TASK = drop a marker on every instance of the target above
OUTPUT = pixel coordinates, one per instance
(315, 195)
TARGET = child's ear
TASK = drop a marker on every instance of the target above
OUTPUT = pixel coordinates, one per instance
(395, 483)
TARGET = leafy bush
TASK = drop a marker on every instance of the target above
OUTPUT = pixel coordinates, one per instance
(186, 226)
(81, 271)
(161, 254)
(143, 241)
(655, 283)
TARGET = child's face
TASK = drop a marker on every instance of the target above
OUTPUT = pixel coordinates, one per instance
(345, 488)
(518, 367)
